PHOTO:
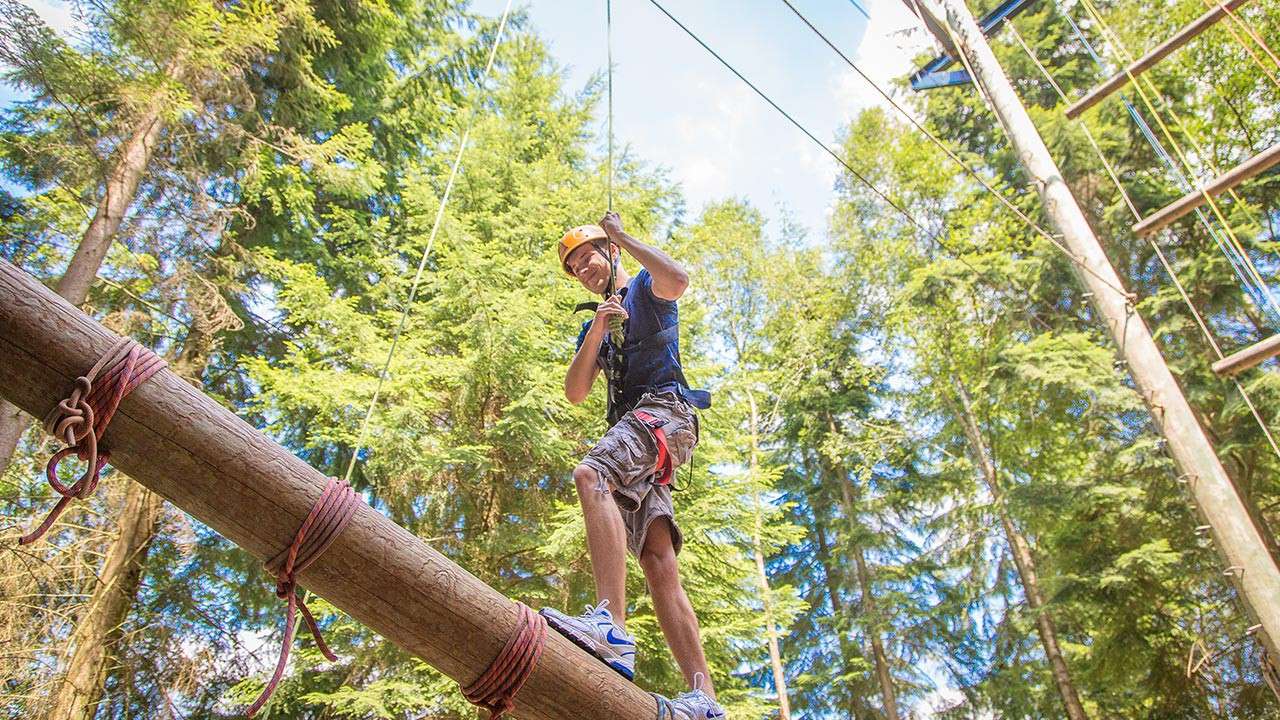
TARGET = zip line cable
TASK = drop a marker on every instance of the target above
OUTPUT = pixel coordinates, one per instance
(933, 138)
(422, 264)
(1164, 261)
(936, 237)
(835, 156)
(1031, 316)
(1014, 287)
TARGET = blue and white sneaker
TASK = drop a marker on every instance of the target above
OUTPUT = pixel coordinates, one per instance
(597, 633)
(696, 704)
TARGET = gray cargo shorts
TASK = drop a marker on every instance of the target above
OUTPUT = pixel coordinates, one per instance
(625, 459)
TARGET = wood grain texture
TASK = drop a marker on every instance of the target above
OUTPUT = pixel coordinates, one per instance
(182, 444)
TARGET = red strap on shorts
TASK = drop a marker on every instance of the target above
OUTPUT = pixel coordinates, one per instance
(662, 469)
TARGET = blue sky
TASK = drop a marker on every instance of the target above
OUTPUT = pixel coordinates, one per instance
(676, 106)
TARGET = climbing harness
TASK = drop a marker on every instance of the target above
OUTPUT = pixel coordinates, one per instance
(662, 468)
(328, 517)
(82, 417)
(496, 688)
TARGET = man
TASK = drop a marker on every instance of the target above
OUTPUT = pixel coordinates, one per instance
(624, 481)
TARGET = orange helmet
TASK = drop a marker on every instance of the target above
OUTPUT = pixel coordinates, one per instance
(577, 236)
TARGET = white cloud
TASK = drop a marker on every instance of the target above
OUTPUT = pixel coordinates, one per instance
(893, 38)
(706, 151)
(60, 16)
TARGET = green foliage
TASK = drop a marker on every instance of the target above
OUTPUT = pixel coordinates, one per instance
(864, 381)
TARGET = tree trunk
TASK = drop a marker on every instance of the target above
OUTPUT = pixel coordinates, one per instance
(96, 640)
(883, 675)
(120, 188)
(98, 630)
(771, 632)
(838, 607)
(1022, 559)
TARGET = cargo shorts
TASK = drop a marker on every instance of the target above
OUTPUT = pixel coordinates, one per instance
(626, 457)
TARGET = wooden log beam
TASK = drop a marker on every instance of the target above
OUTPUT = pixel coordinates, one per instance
(1249, 357)
(182, 444)
(1144, 63)
(1252, 167)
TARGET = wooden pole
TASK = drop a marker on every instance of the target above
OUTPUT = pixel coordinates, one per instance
(182, 444)
(1160, 52)
(1249, 357)
(1248, 563)
(1252, 167)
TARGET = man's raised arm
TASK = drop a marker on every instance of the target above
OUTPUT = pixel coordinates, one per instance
(669, 278)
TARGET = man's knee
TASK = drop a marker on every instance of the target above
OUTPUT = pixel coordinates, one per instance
(588, 482)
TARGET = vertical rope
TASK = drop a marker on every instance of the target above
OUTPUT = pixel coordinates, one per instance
(608, 31)
(422, 264)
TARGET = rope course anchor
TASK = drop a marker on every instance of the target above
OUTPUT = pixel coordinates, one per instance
(81, 419)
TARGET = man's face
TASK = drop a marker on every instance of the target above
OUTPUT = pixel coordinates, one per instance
(588, 264)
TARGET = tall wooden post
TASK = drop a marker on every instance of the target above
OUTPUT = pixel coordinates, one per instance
(1249, 565)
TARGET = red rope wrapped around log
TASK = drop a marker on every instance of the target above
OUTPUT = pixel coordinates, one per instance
(331, 513)
(497, 688)
(82, 417)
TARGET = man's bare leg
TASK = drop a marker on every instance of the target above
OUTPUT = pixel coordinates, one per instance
(675, 613)
(606, 542)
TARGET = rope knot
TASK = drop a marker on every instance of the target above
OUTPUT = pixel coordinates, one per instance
(329, 515)
(285, 589)
(74, 415)
(80, 419)
(496, 689)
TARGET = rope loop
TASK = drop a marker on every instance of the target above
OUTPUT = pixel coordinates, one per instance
(496, 689)
(328, 517)
(80, 419)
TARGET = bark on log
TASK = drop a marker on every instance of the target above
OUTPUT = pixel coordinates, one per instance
(183, 445)
(1250, 357)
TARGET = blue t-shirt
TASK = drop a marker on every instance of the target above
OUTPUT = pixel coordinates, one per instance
(652, 370)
